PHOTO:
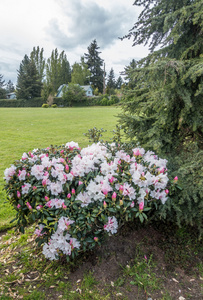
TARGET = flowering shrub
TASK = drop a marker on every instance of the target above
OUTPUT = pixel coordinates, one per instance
(77, 196)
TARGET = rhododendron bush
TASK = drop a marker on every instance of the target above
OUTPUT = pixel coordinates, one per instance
(77, 196)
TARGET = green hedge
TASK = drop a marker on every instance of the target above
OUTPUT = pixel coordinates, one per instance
(38, 102)
(63, 103)
(35, 102)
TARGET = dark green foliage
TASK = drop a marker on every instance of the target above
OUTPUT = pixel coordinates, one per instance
(73, 93)
(94, 63)
(36, 102)
(111, 82)
(162, 106)
(10, 87)
(119, 82)
(2, 89)
(28, 82)
(2, 93)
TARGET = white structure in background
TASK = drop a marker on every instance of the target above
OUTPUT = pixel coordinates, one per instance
(88, 90)
(11, 95)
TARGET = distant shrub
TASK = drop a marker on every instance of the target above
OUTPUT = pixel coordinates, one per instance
(54, 106)
(104, 101)
(114, 99)
(45, 105)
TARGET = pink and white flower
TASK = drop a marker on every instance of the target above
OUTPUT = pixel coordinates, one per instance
(112, 225)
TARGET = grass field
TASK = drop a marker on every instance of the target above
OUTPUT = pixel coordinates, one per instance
(23, 129)
(152, 261)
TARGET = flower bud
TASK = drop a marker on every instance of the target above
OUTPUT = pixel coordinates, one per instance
(141, 206)
(114, 196)
(121, 202)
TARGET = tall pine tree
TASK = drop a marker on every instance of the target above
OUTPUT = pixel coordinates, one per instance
(111, 81)
(2, 89)
(163, 109)
(95, 63)
(28, 81)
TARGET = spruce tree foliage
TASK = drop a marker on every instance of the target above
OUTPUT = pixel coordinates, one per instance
(95, 63)
(28, 81)
(163, 106)
(111, 82)
(128, 72)
(58, 70)
(10, 87)
(119, 82)
(2, 89)
(2, 81)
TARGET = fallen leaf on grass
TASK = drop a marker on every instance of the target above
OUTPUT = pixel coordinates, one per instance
(175, 280)
(79, 291)
(32, 279)
(10, 282)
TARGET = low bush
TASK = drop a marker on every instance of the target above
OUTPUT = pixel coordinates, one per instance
(54, 106)
(77, 196)
(45, 105)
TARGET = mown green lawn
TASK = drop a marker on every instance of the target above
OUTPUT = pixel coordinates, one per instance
(24, 129)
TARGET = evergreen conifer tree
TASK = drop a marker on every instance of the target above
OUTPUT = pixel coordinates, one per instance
(111, 82)
(163, 109)
(28, 81)
(10, 87)
(119, 82)
(94, 63)
(2, 89)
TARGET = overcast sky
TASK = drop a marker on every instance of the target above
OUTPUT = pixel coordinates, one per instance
(69, 25)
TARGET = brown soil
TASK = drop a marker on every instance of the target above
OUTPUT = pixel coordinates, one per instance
(175, 265)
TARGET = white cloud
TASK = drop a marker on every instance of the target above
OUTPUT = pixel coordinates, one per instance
(69, 25)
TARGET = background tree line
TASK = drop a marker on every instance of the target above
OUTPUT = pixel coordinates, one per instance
(38, 77)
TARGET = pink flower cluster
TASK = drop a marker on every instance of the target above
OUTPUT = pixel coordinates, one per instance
(119, 178)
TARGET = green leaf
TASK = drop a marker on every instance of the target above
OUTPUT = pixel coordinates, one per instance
(141, 218)
(79, 188)
(13, 220)
(55, 226)
(147, 208)
(89, 240)
(111, 209)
